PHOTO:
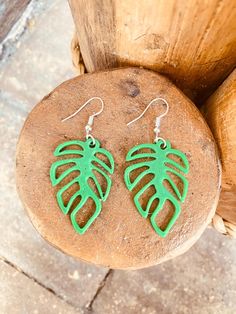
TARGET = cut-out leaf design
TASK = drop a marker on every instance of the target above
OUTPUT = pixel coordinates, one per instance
(85, 163)
(160, 164)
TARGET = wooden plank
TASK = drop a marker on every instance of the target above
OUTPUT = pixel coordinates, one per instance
(20, 294)
(193, 43)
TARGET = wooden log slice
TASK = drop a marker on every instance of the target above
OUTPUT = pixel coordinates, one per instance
(120, 237)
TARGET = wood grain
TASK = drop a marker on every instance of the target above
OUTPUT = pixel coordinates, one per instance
(227, 203)
(120, 237)
(220, 113)
(100, 13)
(192, 42)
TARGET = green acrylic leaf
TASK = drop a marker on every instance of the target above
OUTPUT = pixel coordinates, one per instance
(158, 163)
(86, 165)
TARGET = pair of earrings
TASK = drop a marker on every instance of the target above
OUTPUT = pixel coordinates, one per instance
(87, 159)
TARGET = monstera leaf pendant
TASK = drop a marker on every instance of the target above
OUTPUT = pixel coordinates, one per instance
(84, 162)
(160, 165)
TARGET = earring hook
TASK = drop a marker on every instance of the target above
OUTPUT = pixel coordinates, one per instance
(88, 127)
(158, 118)
(83, 106)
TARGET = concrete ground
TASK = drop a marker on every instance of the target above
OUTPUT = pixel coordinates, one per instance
(35, 277)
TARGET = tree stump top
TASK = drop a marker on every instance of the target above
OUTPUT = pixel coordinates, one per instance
(119, 237)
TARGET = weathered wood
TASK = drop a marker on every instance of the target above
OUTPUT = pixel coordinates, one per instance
(220, 113)
(10, 11)
(227, 204)
(120, 237)
(193, 43)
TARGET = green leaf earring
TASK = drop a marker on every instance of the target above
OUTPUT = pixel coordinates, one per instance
(160, 162)
(85, 160)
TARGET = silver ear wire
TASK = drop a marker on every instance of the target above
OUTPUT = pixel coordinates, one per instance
(158, 118)
(88, 127)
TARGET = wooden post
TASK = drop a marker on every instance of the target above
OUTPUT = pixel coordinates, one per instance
(192, 42)
(220, 113)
